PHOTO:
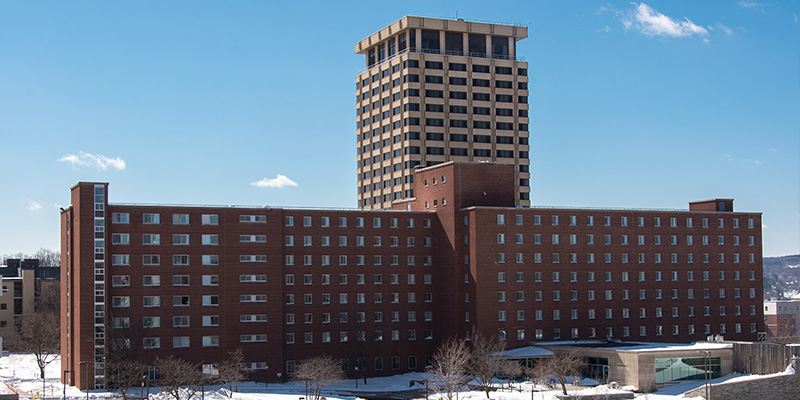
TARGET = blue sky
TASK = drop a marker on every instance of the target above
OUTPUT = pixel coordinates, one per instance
(633, 105)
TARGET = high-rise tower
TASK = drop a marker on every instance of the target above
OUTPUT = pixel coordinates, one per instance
(436, 90)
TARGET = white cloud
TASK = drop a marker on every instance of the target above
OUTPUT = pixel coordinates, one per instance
(277, 182)
(749, 4)
(653, 23)
(93, 160)
(604, 9)
(34, 206)
(756, 162)
(725, 29)
(606, 29)
(727, 157)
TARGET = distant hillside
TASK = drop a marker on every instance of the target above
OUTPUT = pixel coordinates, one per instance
(781, 277)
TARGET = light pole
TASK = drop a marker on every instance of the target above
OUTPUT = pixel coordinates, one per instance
(707, 372)
(66, 375)
(86, 363)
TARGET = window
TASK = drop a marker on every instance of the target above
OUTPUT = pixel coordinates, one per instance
(151, 218)
(120, 218)
(253, 218)
(151, 238)
(120, 238)
(210, 240)
(180, 219)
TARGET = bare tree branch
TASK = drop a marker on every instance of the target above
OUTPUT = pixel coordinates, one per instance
(319, 372)
(485, 361)
(449, 366)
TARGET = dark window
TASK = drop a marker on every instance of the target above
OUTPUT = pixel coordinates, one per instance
(454, 137)
(381, 52)
(17, 289)
(401, 42)
(458, 109)
(411, 121)
(411, 136)
(437, 151)
(504, 112)
(500, 47)
(505, 154)
(411, 107)
(458, 95)
(412, 39)
(17, 306)
(481, 110)
(482, 125)
(482, 153)
(481, 138)
(410, 92)
(522, 85)
(392, 47)
(454, 42)
(410, 164)
(411, 78)
(505, 126)
(412, 150)
(524, 168)
(503, 84)
(434, 122)
(504, 98)
(477, 45)
(523, 99)
(458, 152)
(458, 81)
(523, 154)
(480, 82)
(524, 196)
(502, 70)
(522, 71)
(411, 64)
(523, 113)
(433, 64)
(434, 136)
(434, 107)
(371, 56)
(480, 96)
(505, 139)
(434, 79)
(435, 93)
(458, 123)
(480, 68)
(458, 67)
(430, 40)
(523, 127)
(523, 140)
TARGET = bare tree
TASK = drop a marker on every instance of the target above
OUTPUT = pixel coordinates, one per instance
(562, 367)
(510, 369)
(318, 372)
(449, 366)
(230, 371)
(125, 371)
(486, 359)
(48, 258)
(39, 333)
(178, 377)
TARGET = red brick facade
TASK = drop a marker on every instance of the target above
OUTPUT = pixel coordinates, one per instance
(384, 287)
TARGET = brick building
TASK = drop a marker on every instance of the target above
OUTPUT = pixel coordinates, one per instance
(781, 316)
(379, 289)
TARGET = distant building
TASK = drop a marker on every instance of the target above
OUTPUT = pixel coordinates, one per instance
(23, 281)
(378, 290)
(781, 317)
(435, 90)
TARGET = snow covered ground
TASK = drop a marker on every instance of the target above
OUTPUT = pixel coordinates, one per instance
(20, 372)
